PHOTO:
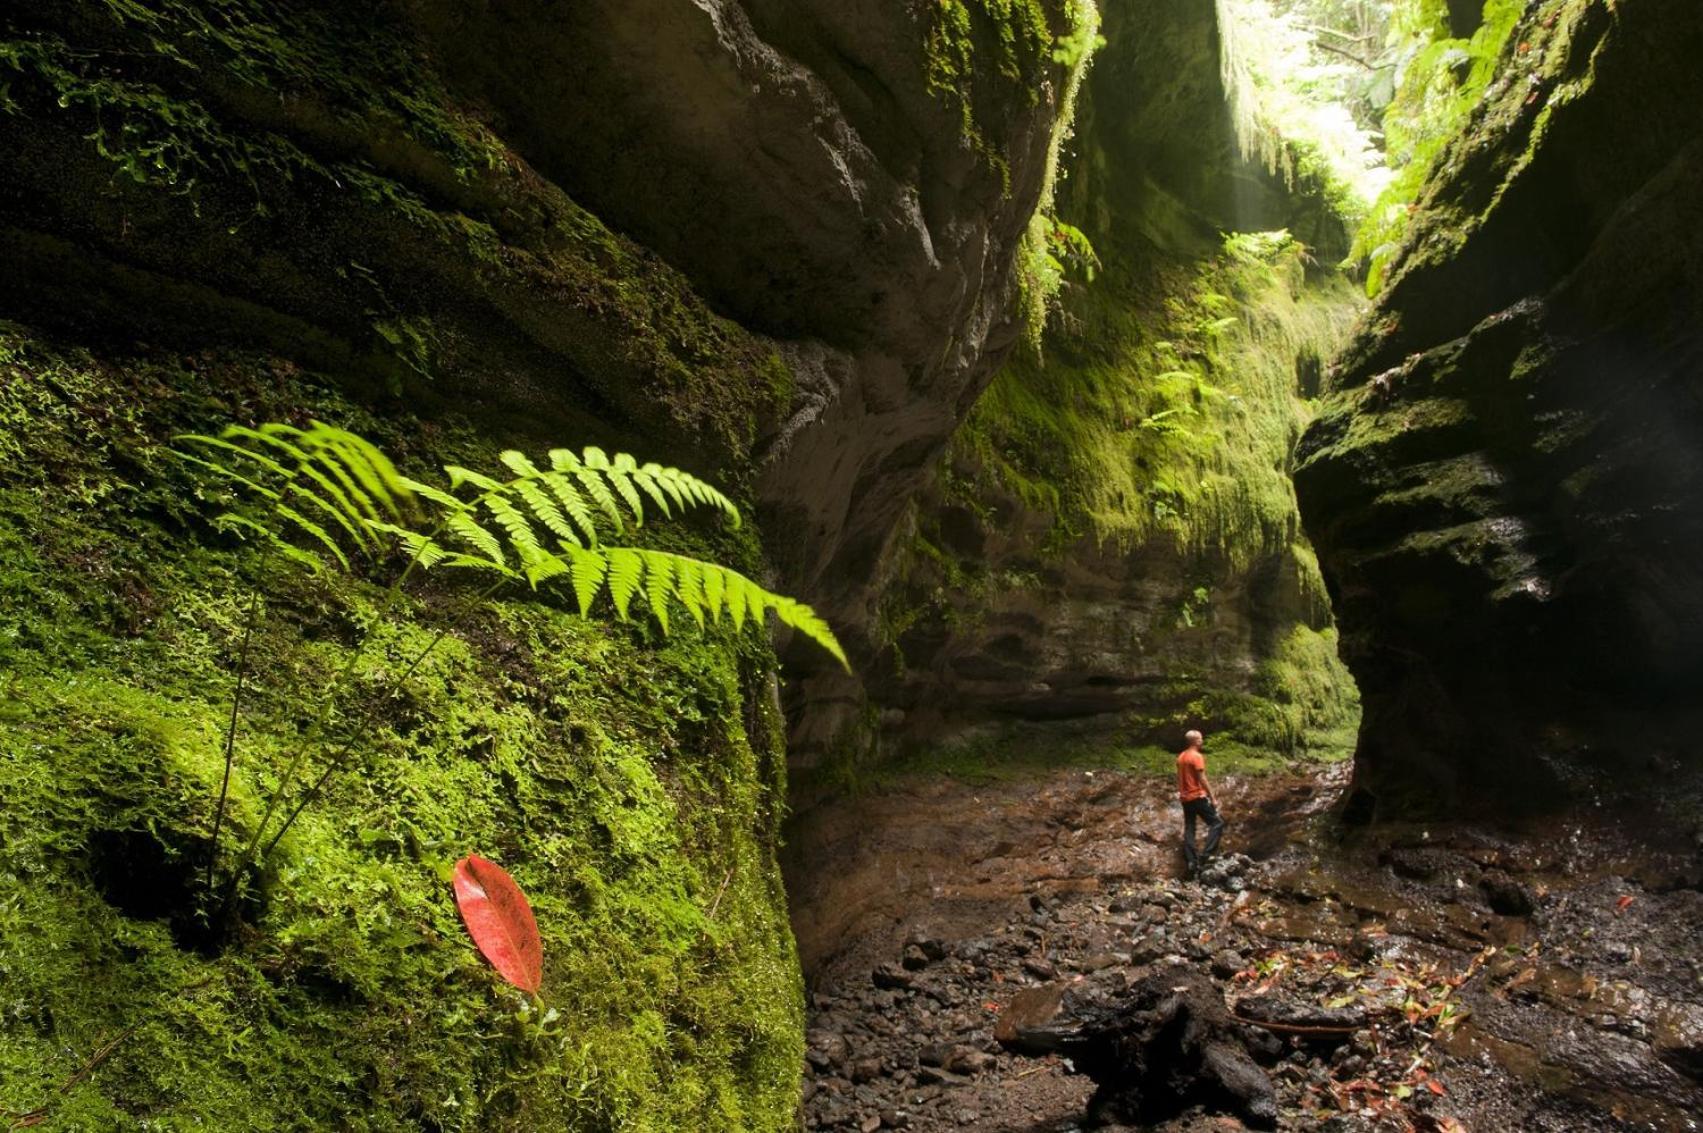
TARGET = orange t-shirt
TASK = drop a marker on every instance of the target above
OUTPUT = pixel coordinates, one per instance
(1191, 776)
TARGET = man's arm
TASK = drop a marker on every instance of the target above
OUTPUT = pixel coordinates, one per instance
(1207, 783)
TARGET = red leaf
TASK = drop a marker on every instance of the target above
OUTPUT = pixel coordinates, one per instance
(500, 921)
(1620, 905)
(1435, 1086)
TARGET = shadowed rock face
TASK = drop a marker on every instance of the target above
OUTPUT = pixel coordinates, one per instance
(770, 240)
(791, 157)
(1504, 488)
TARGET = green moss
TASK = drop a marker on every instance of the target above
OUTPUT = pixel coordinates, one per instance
(1049, 244)
(260, 122)
(1021, 755)
(633, 786)
(1172, 425)
(1159, 425)
(986, 53)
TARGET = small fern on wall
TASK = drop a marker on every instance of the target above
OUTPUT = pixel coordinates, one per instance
(324, 498)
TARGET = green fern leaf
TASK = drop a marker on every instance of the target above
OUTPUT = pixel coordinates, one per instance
(624, 486)
(457, 560)
(589, 570)
(562, 460)
(806, 621)
(573, 503)
(436, 495)
(544, 509)
(737, 605)
(415, 545)
(659, 586)
(715, 589)
(475, 536)
(626, 569)
(459, 476)
(222, 444)
(689, 586)
(295, 554)
(228, 473)
(340, 507)
(540, 565)
(513, 521)
(667, 480)
(314, 531)
(366, 463)
(643, 478)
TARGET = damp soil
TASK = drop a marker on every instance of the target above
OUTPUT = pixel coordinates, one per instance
(1433, 977)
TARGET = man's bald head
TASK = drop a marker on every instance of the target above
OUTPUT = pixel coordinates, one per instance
(1192, 738)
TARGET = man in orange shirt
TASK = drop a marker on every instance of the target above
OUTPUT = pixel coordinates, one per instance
(1196, 795)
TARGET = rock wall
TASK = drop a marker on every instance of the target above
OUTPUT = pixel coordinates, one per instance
(1504, 487)
(1112, 550)
(774, 243)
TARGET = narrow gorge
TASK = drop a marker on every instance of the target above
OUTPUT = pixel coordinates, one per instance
(645, 565)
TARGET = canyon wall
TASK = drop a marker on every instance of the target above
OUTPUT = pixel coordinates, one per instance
(1111, 552)
(774, 243)
(1504, 485)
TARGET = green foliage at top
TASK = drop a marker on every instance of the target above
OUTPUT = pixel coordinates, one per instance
(1443, 81)
(623, 778)
(970, 41)
(1290, 104)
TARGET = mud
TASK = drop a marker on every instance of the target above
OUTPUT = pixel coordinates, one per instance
(1403, 978)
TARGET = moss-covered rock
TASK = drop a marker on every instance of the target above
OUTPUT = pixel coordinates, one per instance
(633, 787)
(545, 224)
(1113, 548)
(1503, 484)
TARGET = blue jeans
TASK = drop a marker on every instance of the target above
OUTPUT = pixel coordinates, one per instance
(1200, 808)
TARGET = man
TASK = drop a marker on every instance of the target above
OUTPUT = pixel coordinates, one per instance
(1196, 795)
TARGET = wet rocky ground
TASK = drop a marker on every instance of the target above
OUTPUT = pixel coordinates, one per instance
(1402, 979)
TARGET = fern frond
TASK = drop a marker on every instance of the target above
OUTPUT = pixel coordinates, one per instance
(513, 522)
(295, 554)
(436, 495)
(544, 509)
(459, 560)
(227, 473)
(367, 464)
(643, 478)
(806, 621)
(467, 529)
(626, 569)
(590, 568)
(427, 552)
(659, 585)
(459, 476)
(562, 460)
(714, 588)
(539, 565)
(342, 477)
(573, 503)
(689, 586)
(617, 472)
(315, 532)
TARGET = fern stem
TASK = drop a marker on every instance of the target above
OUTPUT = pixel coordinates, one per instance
(391, 597)
(342, 754)
(231, 725)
